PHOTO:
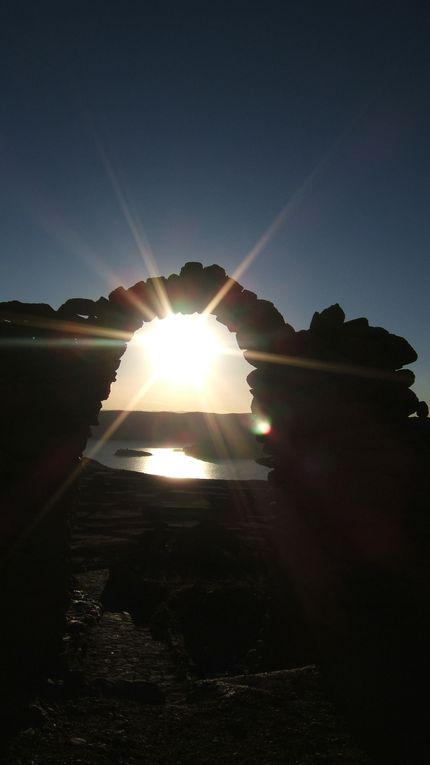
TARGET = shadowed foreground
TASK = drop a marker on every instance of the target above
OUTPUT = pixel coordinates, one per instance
(140, 682)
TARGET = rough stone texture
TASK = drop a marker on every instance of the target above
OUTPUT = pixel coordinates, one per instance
(349, 468)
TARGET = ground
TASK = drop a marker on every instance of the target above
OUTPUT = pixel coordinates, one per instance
(141, 680)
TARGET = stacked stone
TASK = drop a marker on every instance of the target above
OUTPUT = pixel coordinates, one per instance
(351, 479)
(336, 396)
(57, 367)
(36, 457)
(333, 385)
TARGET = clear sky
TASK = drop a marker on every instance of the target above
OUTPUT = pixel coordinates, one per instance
(199, 122)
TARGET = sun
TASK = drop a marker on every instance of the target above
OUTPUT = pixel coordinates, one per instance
(181, 349)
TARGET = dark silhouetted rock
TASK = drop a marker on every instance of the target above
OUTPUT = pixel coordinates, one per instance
(327, 320)
(132, 453)
(422, 410)
(191, 269)
(78, 306)
(15, 308)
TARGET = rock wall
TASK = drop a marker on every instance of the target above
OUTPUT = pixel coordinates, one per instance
(347, 458)
(352, 481)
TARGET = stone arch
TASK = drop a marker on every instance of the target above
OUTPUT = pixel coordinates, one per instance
(302, 379)
(61, 363)
(258, 325)
(347, 461)
(316, 386)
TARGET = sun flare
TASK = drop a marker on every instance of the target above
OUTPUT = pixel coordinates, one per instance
(182, 349)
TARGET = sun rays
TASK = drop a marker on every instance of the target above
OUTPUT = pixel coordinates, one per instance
(163, 307)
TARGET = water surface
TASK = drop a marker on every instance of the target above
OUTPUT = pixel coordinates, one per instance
(172, 462)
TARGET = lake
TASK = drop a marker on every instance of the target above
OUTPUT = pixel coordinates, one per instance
(172, 462)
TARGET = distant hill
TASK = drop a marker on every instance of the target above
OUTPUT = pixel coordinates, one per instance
(206, 434)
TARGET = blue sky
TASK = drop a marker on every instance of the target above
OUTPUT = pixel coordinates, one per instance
(206, 120)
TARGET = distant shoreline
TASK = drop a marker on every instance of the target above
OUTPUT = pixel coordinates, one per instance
(177, 428)
(207, 453)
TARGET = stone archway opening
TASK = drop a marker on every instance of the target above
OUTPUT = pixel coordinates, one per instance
(184, 378)
(195, 362)
(207, 290)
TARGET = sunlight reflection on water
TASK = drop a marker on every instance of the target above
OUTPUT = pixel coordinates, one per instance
(172, 462)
